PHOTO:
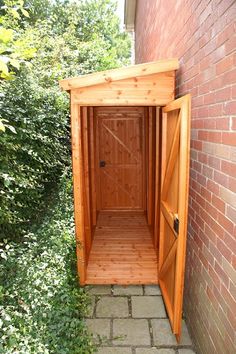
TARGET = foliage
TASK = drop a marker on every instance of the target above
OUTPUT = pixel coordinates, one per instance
(74, 39)
(32, 158)
(40, 303)
(14, 49)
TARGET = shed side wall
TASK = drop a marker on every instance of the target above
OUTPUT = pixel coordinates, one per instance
(201, 34)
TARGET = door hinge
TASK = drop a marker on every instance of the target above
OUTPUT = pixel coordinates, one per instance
(176, 225)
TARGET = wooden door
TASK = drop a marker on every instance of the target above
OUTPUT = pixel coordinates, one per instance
(174, 205)
(120, 158)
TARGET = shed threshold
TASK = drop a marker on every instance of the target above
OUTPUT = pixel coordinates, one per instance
(122, 250)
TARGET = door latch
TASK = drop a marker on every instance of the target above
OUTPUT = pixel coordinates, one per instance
(102, 163)
(176, 225)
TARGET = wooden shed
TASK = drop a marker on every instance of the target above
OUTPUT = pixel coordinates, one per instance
(130, 152)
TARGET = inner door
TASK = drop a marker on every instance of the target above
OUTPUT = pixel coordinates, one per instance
(174, 205)
(120, 158)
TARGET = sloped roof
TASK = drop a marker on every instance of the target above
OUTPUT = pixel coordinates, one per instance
(109, 76)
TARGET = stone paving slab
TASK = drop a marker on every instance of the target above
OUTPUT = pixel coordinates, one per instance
(112, 307)
(99, 289)
(131, 332)
(152, 290)
(129, 320)
(91, 307)
(147, 307)
(154, 351)
(128, 290)
(162, 334)
(99, 328)
(114, 350)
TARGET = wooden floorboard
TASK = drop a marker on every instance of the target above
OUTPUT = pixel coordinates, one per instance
(122, 250)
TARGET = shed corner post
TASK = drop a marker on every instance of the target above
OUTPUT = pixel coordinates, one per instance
(77, 171)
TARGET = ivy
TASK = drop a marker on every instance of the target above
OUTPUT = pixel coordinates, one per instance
(41, 305)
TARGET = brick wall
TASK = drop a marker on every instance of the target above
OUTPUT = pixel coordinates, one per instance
(201, 34)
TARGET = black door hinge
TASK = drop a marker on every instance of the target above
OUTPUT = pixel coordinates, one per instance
(176, 225)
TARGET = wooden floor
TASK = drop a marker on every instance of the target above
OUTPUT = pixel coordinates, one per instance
(122, 251)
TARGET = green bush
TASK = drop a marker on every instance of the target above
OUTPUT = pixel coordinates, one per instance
(41, 305)
(33, 158)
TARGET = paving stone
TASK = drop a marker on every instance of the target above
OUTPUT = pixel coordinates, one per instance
(147, 307)
(99, 289)
(154, 351)
(99, 328)
(128, 290)
(91, 307)
(162, 334)
(152, 290)
(131, 332)
(114, 350)
(112, 307)
(186, 351)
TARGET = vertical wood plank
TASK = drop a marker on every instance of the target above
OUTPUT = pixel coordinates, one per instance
(151, 140)
(77, 164)
(92, 166)
(183, 209)
(163, 168)
(86, 176)
(157, 179)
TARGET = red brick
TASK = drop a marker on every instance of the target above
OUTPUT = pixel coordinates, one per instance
(215, 110)
(225, 251)
(230, 45)
(225, 223)
(209, 123)
(221, 178)
(202, 157)
(196, 144)
(213, 187)
(206, 194)
(228, 168)
(232, 184)
(228, 298)
(224, 65)
(214, 162)
(218, 203)
(230, 108)
(233, 124)
(230, 77)
(229, 138)
(221, 274)
(223, 94)
(222, 123)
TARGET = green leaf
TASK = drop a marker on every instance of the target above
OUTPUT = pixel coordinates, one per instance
(15, 13)
(6, 35)
(11, 128)
(2, 126)
(25, 13)
(15, 63)
(3, 67)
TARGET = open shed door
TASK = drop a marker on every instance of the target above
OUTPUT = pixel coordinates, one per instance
(174, 206)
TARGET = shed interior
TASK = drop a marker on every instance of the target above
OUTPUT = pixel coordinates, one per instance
(122, 167)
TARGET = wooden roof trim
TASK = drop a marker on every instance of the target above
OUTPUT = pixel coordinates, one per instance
(119, 74)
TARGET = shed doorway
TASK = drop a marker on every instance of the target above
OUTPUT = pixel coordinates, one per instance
(122, 250)
(134, 229)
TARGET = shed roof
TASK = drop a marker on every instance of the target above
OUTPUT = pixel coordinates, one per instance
(108, 76)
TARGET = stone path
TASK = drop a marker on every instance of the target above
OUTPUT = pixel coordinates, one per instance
(133, 320)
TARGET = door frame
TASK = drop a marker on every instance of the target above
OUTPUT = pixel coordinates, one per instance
(143, 131)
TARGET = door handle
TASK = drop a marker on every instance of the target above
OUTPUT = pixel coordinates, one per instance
(102, 163)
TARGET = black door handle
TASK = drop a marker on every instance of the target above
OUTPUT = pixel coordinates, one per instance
(102, 163)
